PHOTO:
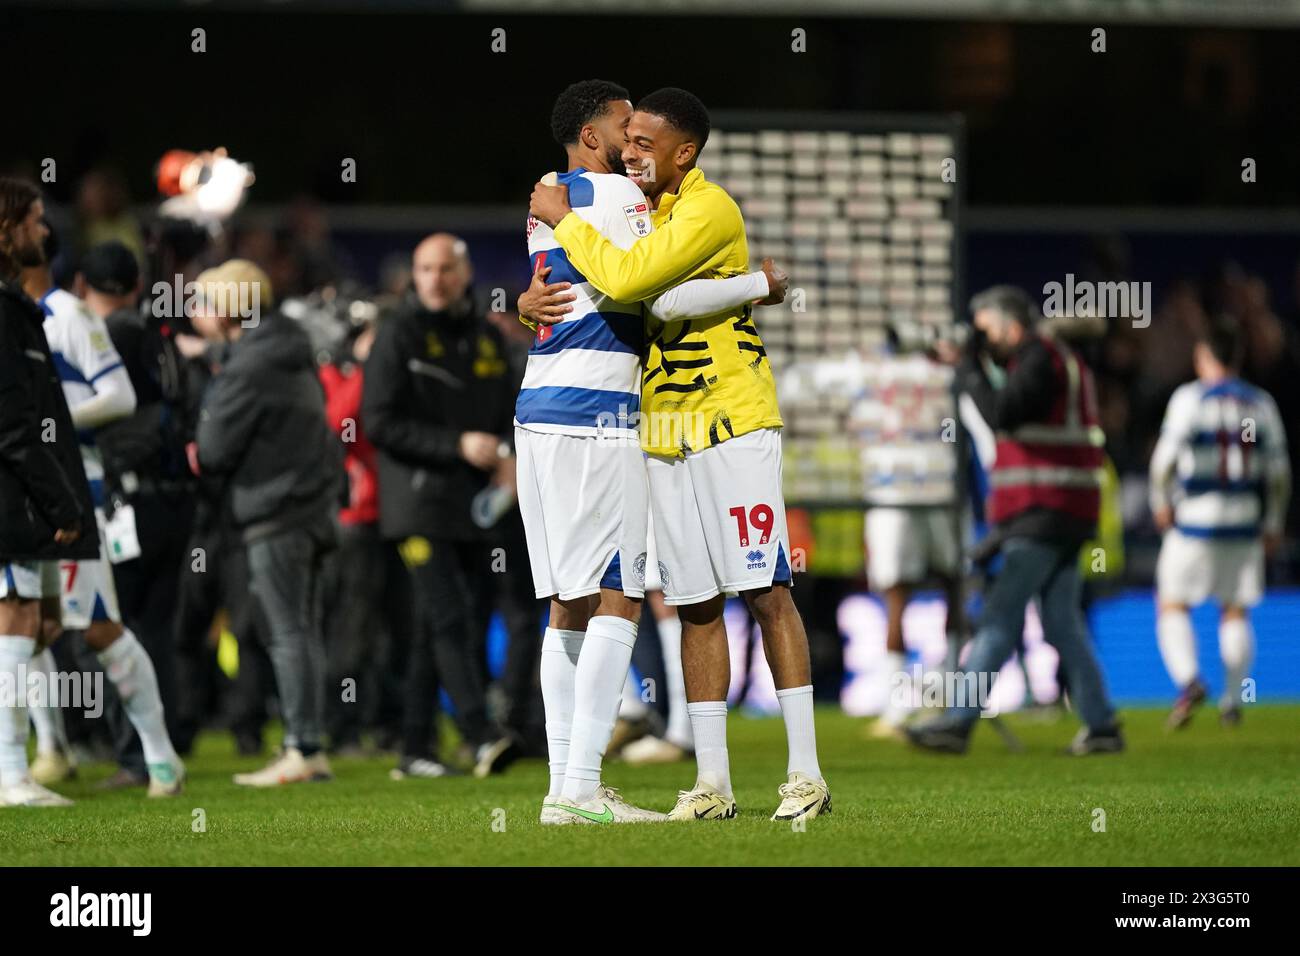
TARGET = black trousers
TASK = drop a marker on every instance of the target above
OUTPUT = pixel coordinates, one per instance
(453, 583)
(147, 595)
(214, 576)
(367, 635)
(523, 615)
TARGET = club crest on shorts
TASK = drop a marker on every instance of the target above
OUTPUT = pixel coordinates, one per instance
(638, 568)
(756, 559)
(638, 217)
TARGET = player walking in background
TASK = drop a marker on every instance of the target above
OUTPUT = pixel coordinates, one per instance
(98, 391)
(711, 432)
(911, 522)
(581, 476)
(1220, 484)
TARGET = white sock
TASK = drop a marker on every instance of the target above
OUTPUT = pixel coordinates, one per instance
(709, 722)
(895, 710)
(797, 709)
(47, 718)
(631, 706)
(560, 651)
(128, 666)
(15, 652)
(1177, 646)
(679, 721)
(1237, 648)
(597, 688)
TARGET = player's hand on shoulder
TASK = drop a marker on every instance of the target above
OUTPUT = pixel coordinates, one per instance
(545, 303)
(778, 281)
(550, 204)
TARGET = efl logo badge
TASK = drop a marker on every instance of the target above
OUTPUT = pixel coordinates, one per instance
(638, 217)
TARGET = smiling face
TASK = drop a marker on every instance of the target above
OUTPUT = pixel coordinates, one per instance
(657, 154)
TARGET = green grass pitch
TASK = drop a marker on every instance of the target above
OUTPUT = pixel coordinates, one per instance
(1205, 796)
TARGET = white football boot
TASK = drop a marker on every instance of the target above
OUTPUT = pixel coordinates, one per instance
(28, 793)
(703, 803)
(553, 816)
(606, 806)
(652, 750)
(166, 779)
(52, 767)
(289, 767)
(802, 796)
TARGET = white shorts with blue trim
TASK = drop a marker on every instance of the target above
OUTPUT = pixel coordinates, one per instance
(88, 593)
(583, 500)
(29, 580)
(719, 518)
(1192, 568)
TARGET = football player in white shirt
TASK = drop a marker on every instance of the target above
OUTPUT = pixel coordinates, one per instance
(1220, 482)
(98, 391)
(581, 474)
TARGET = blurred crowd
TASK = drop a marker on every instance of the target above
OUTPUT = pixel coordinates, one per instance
(418, 375)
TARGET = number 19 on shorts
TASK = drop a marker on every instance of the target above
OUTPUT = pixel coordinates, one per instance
(759, 516)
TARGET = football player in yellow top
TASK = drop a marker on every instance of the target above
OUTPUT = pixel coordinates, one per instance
(711, 431)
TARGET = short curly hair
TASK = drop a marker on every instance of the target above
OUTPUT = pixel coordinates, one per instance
(684, 112)
(579, 104)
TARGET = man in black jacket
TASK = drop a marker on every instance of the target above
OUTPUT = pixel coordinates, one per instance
(46, 514)
(438, 406)
(262, 428)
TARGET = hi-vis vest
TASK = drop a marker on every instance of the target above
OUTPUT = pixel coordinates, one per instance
(1056, 462)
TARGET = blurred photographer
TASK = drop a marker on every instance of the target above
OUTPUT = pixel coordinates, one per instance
(1044, 502)
(439, 405)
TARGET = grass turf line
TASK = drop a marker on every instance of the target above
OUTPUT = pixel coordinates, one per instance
(1205, 796)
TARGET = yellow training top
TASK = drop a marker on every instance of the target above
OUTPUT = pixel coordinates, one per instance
(706, 379)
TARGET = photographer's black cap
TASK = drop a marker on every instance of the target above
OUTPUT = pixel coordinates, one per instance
(111, 268)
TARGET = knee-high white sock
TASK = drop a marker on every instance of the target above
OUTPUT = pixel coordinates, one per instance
(127, 665)
(709, 722)
(1237, 648)
(560, 651)
(896, 709)
(797, 710)
(1177, 646)
(47, 718)
(15, 652)
(597, 688)
(631, 706)
(679, 721)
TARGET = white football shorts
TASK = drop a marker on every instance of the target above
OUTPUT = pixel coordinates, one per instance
(88, 591)
(1191, 569)
(719, 518)
(583, 501)
(906, 544)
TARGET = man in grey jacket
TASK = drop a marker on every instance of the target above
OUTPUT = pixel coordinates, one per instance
(262, 428)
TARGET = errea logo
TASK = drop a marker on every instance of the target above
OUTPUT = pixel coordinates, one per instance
(75, 908)
(755, 559)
